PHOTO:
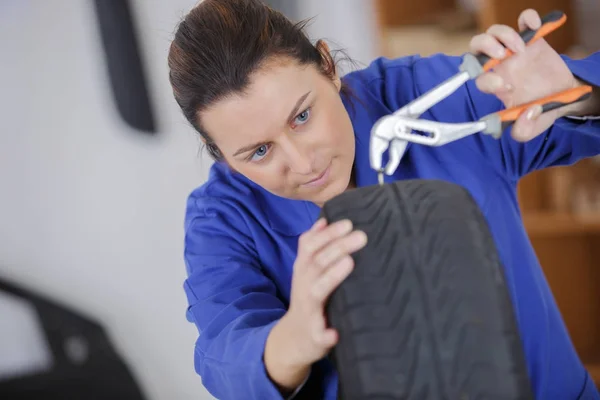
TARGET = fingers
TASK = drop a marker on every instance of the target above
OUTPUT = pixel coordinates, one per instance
(333, 263)
(494, 43)
(529, 19)
(323, 246)
(507, 37)
(319, 236)
(339, 248)
(324, 253)
(325, 262)
(487, 44)
(525, 127)
(319, 225)
(331, 278)
(491, 82)
(499, 37)
(326, 338)
(496, 40)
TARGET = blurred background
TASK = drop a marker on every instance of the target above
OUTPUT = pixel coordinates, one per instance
(96, 162)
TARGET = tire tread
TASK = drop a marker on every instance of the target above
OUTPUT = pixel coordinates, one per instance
(425, 314)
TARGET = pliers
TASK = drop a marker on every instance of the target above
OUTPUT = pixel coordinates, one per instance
(394, 131)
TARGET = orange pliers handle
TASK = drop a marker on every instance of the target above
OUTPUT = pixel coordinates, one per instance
(550, 22)
(548, 103)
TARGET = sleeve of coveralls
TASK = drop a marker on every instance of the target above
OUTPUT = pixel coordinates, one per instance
(233, 305)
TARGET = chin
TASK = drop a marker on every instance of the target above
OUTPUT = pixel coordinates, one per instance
(335, 187)
(336, 184)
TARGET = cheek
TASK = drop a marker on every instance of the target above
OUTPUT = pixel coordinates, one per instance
(339, 128)
(267, 175)
(329, 125)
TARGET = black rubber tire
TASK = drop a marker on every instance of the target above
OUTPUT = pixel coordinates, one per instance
(425, 314)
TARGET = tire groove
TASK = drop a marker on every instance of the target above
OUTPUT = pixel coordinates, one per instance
(392, 323)
(427, 311)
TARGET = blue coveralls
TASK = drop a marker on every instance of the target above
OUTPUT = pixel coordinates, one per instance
(241, 241)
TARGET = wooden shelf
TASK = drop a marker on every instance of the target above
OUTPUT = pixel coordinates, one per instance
(540, 223)
(507, 12)
(594, 370)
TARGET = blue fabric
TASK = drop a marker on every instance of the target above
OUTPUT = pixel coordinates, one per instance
(241, 241)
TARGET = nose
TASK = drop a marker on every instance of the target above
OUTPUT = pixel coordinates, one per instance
(298, 158)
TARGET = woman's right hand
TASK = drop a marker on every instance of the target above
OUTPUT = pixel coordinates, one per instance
(302, 336)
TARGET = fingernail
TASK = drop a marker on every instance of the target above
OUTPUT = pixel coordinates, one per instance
(519, 136)
(346, 225)
(497, 82)
(534, 112)
(501, 53)
(362, 237)
(317, 224)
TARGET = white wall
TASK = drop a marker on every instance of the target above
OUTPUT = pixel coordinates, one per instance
(345, 24)
(91, 213)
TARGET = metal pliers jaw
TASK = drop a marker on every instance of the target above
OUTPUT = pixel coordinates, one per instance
(394, 131)
(384, 136)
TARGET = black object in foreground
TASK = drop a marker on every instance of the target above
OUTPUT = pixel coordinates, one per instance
(85, 364)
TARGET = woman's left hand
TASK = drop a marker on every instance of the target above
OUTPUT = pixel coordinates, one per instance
(533, 72)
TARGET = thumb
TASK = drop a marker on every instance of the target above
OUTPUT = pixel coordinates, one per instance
(526, 127)
(328, 338)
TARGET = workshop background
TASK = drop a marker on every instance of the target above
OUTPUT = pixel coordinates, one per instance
(96, 162)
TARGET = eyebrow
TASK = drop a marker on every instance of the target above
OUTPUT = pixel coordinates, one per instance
(290, 117)
(297, 106)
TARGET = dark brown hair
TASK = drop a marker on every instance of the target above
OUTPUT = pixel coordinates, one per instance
(220, 43)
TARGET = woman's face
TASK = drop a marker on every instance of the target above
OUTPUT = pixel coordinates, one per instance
(289, 132)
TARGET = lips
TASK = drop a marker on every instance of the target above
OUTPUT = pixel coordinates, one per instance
(320, 179)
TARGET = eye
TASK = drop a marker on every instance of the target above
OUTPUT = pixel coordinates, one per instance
(260, 153)
(303, 117)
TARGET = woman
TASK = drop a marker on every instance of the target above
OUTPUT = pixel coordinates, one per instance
(287, 134)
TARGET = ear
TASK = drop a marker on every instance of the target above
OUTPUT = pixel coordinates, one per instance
(328, 63)
(323, 47)
(212, 150)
